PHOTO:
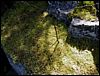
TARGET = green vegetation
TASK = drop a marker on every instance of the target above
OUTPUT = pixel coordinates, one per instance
(85, 10)
(31, 39)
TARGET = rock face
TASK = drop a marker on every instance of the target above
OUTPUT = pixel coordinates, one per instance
(78, 27)
(60, 9)
(82, 28)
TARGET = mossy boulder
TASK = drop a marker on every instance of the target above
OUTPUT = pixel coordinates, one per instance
(38, 41)
(85, 10)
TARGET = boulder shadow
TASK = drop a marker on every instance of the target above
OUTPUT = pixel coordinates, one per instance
(86, 43)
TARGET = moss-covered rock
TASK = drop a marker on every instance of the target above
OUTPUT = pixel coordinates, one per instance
(39, 42)
(85, 10)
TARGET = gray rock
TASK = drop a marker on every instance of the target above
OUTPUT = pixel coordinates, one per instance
(18, 67)
(60, 9)
(82, 28)
(78, 28)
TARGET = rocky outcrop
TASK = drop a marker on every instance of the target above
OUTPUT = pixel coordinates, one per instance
(82, 28)
(78, 27)
(60, 9)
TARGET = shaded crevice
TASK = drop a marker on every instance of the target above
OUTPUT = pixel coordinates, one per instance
(83, 44)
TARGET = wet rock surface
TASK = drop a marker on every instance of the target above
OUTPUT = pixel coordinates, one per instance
(82, 28)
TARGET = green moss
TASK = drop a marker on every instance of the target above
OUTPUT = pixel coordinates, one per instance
(88, 2)
(88, 12)
(31, 38)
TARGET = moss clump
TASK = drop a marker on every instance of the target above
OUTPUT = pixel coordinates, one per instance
(85, 10)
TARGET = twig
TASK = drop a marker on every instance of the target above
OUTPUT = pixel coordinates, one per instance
(56, 41)
(56, 33)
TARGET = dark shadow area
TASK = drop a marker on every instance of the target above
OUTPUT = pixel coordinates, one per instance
(6, 5)
(5, 66)
(97, 7)
(85, 43)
